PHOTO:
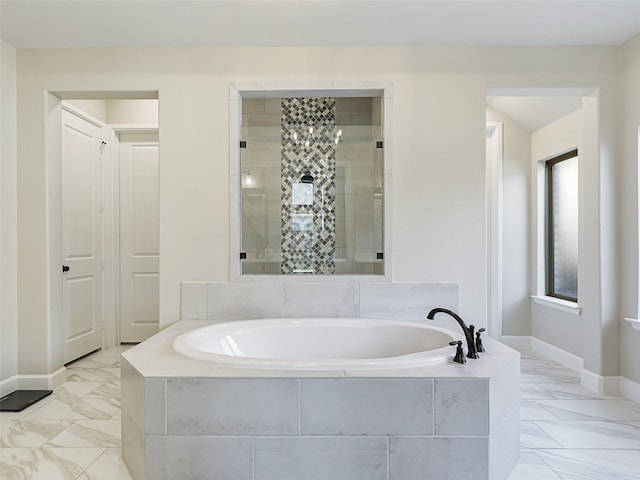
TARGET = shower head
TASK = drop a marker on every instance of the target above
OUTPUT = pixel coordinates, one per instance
(307, 177)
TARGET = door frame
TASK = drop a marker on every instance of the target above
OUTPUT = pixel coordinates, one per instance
(112, 216)
(494, 161)
(54, 104)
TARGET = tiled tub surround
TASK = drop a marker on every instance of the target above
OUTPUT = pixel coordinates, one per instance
(184, 418)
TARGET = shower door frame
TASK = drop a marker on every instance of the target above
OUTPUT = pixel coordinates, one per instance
(363, 89)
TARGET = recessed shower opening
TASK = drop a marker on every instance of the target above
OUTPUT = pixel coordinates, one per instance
(312, 185)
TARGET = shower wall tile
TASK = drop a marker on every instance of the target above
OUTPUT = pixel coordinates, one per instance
(253, 208)
(427, 458)
(397, 301)
(307, 141)
(194, 301)
(392, 407)
(187, 457)
(272, 105)
(320, 300)
(257, 236)
(205, 406)
(309, 458)
(244, 301)
(253, 105)
(461, 407)
(272, 203)
(354, 105)
(261, 152)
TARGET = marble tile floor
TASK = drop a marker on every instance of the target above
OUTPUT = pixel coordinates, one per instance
(567, 431)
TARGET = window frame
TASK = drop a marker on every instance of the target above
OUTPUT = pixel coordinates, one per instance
(549, 230)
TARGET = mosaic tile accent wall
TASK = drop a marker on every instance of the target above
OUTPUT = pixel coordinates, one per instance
(308, 221)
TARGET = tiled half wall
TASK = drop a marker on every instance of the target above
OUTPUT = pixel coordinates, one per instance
(247, 301)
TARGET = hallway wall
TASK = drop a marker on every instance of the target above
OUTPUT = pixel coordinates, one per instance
(558, 328)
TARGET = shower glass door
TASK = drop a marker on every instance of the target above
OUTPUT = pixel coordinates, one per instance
(312, 192)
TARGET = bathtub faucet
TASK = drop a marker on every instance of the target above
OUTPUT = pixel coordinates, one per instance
(468, 331)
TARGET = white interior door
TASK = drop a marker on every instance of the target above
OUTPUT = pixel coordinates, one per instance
(139, 236)
(82, 269)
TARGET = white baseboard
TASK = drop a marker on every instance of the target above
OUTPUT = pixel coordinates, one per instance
(630, 389)
(33, 382)
(8, 385)
(609, 385)
(563, 357)
(517, 342)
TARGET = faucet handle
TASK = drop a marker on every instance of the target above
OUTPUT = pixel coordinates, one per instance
(479, 346)
(459, 356)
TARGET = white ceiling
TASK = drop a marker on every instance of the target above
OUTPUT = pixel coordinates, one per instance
(110, 23)
(534, 112)
(123, 23)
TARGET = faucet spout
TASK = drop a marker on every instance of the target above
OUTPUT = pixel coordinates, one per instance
(467, 330)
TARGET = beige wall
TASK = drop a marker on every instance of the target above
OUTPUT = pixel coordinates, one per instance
(628, 216)
(8, 218)
(438, 146)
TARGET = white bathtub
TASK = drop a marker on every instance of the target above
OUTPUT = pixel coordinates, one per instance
(317, 344)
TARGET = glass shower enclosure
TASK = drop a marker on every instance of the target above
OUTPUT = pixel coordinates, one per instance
(312, 192)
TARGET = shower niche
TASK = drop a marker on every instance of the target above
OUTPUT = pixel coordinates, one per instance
(312, 186)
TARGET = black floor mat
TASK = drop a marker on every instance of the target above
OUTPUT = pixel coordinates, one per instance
(21, 399)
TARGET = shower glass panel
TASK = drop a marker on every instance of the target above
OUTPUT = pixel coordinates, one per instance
(312, 192)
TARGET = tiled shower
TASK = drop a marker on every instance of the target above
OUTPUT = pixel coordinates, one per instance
(312, 185)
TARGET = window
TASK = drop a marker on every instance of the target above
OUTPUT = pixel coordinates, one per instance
(562, 227)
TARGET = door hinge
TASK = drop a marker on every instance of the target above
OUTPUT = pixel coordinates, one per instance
(243, 144)
(379, 144)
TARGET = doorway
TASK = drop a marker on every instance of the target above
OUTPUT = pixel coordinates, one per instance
(109, 222)
(514, 248)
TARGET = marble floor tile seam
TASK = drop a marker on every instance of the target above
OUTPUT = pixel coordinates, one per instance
(600, 435)
(531, 364)
(535, 451)
(544, 454)
(564, 391)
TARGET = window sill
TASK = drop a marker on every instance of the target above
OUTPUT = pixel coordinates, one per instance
(557, 304)
(634, 322)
